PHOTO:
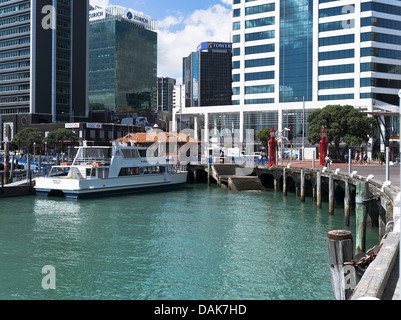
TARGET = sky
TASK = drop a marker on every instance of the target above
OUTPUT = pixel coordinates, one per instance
(183, 25)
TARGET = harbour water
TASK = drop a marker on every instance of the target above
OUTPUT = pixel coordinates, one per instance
(194, 243)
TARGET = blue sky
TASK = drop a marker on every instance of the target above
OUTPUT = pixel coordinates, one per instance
(183, 24)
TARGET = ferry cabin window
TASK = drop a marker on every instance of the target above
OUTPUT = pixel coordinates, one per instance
(129, 172)
(153, 169)
(142, 153)
(130, 153)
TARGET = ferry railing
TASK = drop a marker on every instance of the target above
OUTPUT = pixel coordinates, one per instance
(89, 161)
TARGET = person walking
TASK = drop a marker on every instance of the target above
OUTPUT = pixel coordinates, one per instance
(356, 157)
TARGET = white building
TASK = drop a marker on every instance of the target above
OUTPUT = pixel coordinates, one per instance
(291, 57)
(179, 96)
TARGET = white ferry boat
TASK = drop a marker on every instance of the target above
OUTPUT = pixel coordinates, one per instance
(98, 171)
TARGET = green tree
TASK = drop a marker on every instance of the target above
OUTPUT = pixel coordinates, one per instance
(27, 137)
(59, 137)
(264, 137)
(344, 124)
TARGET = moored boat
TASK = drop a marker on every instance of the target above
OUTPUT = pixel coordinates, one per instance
(97, 171)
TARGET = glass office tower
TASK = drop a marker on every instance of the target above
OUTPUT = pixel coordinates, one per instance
(122, 61)
(43, 60)
(208, 76)
(291, 57)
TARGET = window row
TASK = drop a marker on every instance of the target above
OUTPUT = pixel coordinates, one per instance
(259, 101)
(339, 54)
(15, 8)
(259, 89)
(377, 82)
(11, 54)
(13, 65)
(14, 99)
(382, 23)
(336, 84)
(337, 25)
(343, 68)
(9, 32)
(381, 37)
(330, 41)
(335, 11)
(380, 7)
(20, 87)
(336, 97)
(14, 42)
(25, 17)
(381, 53)
(380, 67)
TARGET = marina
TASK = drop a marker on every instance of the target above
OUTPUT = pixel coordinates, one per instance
(198, 242)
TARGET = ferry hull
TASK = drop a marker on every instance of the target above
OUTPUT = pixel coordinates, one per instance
(77, 190)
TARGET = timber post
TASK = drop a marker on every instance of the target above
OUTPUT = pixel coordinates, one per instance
(339, 245)
(361, 216)
(302, 186)
(319, 189)
(6, 157)
(331, 195)
(347, 207)
(284, 182)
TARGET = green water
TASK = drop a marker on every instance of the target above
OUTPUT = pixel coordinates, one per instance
(193, 243)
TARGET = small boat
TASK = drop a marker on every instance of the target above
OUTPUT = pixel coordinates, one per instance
(116, 169)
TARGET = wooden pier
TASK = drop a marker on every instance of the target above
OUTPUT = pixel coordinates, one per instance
(375, 203)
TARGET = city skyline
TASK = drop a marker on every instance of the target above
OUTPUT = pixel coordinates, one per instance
(182, 27)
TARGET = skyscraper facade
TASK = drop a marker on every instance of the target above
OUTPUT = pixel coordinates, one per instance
(43, 62)
(123, 61)
(207, 75)
(291, 57)
(165, 93)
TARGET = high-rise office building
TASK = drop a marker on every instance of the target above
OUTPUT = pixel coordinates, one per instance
(122, 60)
(43, 62)
(207, 74)
(292, 57)
(165, 93)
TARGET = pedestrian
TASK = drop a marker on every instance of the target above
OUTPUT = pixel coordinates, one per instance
(365, 158)
(346, 157)
(327, 161)
(356, 157)
(382, 159)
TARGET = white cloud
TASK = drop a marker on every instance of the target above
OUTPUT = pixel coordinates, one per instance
(212, 24)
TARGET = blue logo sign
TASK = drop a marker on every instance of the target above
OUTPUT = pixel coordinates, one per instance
(129, 15)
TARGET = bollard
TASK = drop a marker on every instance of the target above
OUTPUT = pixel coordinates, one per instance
(339, 245)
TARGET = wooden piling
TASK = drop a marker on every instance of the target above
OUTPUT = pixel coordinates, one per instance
(347, 206)
(361, 216)
(302, 186)
(6, 157)
(284, 182)
(340, 244)
(276, 184)
(319, 189)
(12, 168)
(331, 195)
